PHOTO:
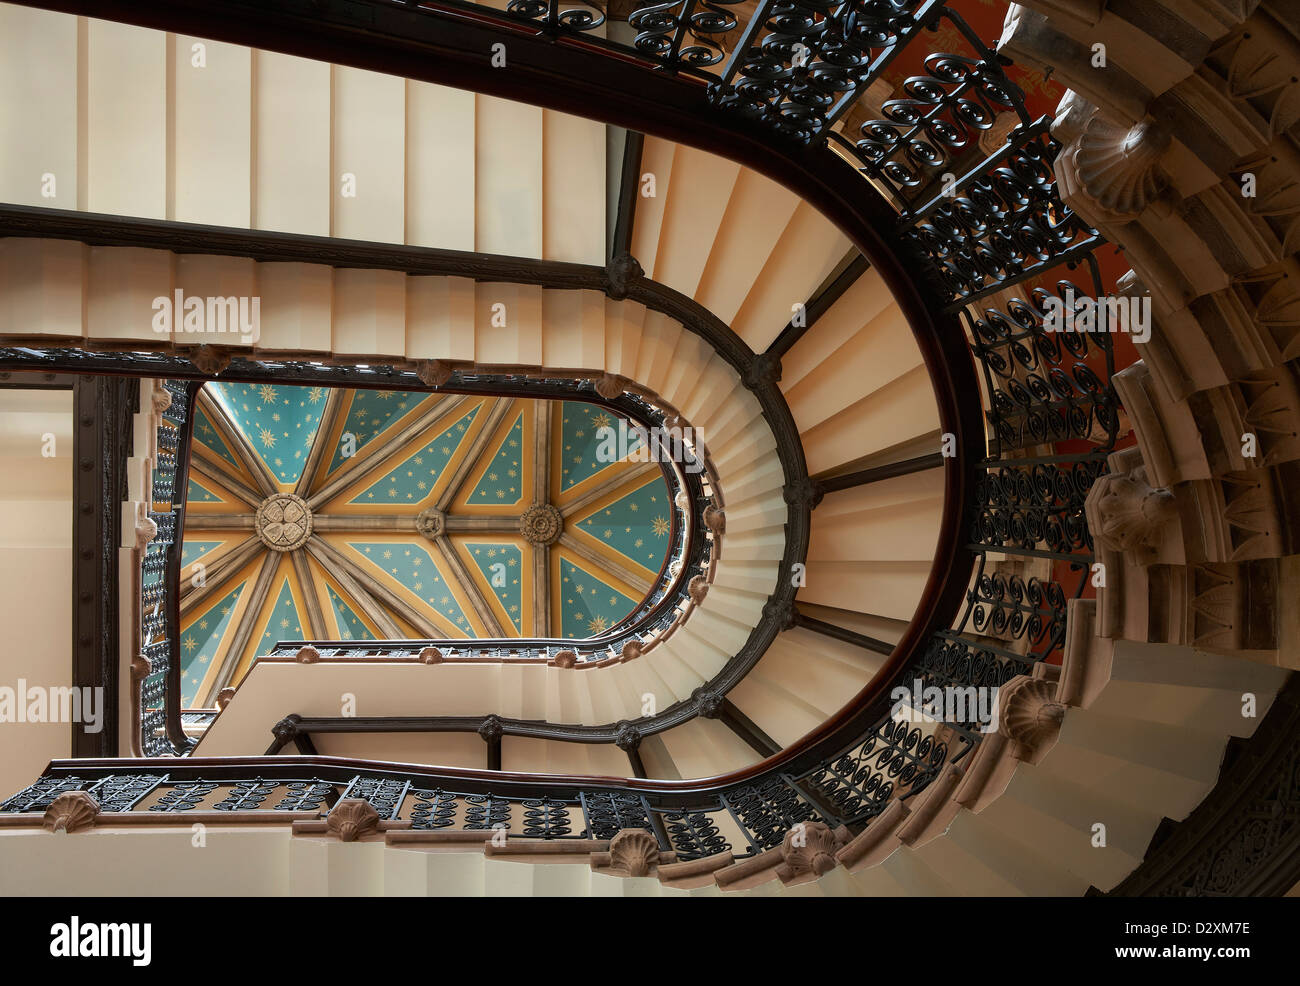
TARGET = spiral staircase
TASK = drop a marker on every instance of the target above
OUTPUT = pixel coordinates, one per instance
(907, 478)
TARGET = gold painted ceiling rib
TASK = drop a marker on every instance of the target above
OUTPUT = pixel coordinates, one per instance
(482, 608)
(542, 451)
(216, 575)
(316, 628)
(481, 524)
(364, 522)
(357, 585)
(500, 408)
(221, 522)
(375, 453)
(639, 470)
(243, 450)
(247, 624)
(541, 591)
(217, 472)
(638, 582)
(542, 494)
(338, 564)
(316, 454)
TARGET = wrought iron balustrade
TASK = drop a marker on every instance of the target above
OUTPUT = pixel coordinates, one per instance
(161, 731)
(742, 819)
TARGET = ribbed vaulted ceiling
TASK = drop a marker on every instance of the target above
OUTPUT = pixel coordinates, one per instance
(364, 514)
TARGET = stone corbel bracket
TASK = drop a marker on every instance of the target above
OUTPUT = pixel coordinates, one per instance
(351, 820)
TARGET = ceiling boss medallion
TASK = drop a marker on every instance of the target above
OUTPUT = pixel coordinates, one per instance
(541, 524)
(431, 522)
(283, 522)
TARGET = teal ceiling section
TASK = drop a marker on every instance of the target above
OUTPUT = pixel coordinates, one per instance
(350, 625)
(370, 414)
(590, 605)
(411, 564)
(280, 422)
(198, 493)
(502, 482)
(414, 478)
(636, 525)
(199, 643)
(205, 433)
(502, 565)
(581, 445)
(192, 551)
(284, 622)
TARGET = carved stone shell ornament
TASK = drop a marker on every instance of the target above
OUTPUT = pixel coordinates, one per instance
(1029, 714)
(71, 811)
(635, 851)
(565, 659)
(160, 399)
(1118, 165)
(697, 588)
(715, 520)
(610, 385)
(146, 529)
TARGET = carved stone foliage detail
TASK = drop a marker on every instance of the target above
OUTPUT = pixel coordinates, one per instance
(1233, 606)
(627, 736)
(351, 819)
(541, 524)
(1127, 514)
(283, 522)
(431, 522)
(433, 373)
(141, 668)
(209, 360)
(709, 703)
(809, 847)
(1260, 61)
